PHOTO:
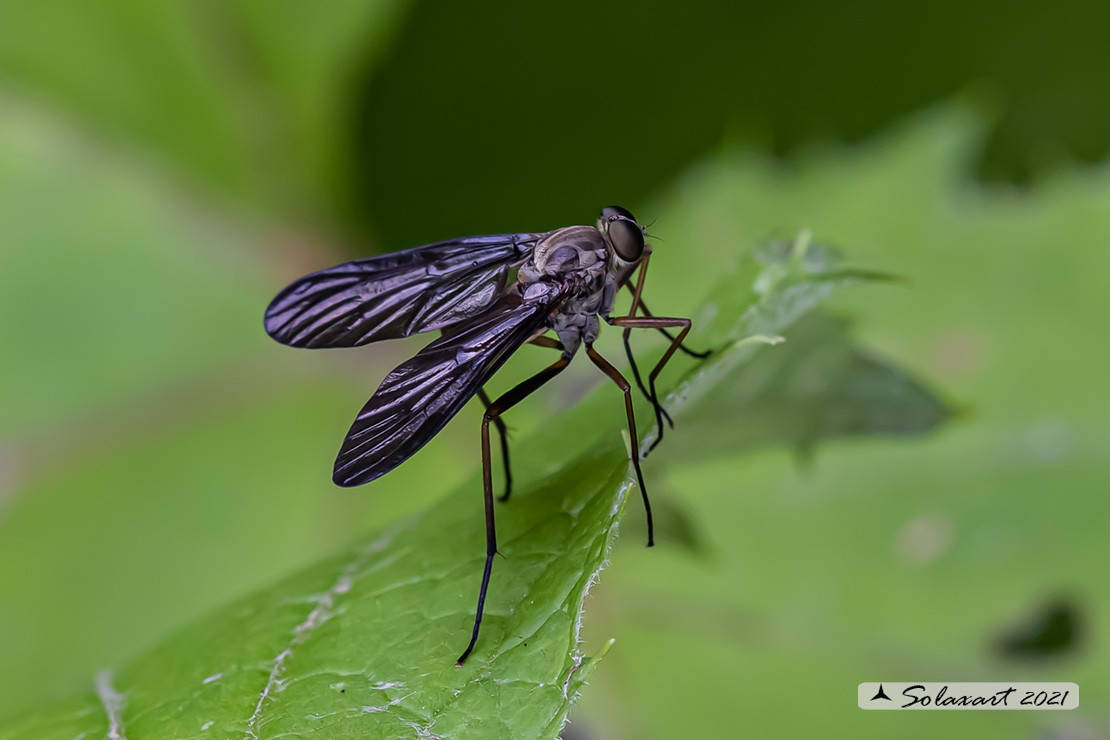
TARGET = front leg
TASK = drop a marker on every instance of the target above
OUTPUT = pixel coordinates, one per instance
(637, 292)
(686, 350)
(656, 322)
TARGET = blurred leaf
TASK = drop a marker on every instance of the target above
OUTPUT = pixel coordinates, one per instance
(817, 386)
(364, 643)
(112, 284)
(144, 73)
(248, 98)
(673, 523)
(1055, 630)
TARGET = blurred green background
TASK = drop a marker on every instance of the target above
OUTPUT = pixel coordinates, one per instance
(166, 167)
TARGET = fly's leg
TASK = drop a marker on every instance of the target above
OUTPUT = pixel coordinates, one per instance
(637, 292)
(639, 381)
(502, 430)
(495, 409)
(686, 350)
(503, 435)
(657, 322)
(546, 341)
(617, 378)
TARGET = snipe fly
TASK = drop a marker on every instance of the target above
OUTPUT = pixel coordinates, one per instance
(566, 282)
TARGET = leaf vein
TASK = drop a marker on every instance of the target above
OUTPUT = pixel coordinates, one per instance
(321, 612)
(113, 702)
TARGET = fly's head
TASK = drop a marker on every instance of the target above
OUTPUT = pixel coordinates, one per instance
(623, 234)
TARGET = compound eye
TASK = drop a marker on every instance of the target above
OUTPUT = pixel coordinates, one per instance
(627, 239)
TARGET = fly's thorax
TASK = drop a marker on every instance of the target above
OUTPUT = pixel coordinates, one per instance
(577, 256)
(582, 257)
(574, 252)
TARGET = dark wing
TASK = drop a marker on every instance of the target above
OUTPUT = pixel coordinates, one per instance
(418, 398)
(395, 295)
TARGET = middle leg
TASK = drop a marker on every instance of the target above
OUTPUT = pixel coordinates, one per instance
(617, 378)
(656, 322)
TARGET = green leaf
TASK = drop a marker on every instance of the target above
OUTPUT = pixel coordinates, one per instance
(365, 643)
